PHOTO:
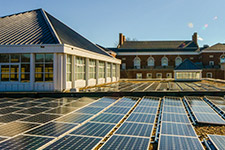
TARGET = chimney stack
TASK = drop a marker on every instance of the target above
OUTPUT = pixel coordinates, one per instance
(195, 38)
(121, 39)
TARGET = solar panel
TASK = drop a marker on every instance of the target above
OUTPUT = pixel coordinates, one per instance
(62, 110)
(29, 104)
(174, 109)
(108, 118)
(77, 104)
(197, 103)
(90, 110)
(126, 143)
(11, 117)
(209, 118)
(150, 110)
(8, 110)
(100, 104)
(74, 118)
(175, 118)
(51, 104)
(167, 142)
(24, 142)
(70, 142)
(118, 110)
(218, 141)
(41, 118)
(202, 109)
(34, 110)
(14, 128)
(108, 99)
(177, 129)
(124, 104)
(93, 129)
(145, 118)
(137, 129)
(6, 104)
(23, 100)
(173, 103)
(148, 103)
(52, 129)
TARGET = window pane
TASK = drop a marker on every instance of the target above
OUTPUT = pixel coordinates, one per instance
(39, 68)
(25, 77)
(49, 68)
(14, 77)
(39, 58)
(14, 68)
(5, 77)
(25, 68)
(4, 58)
(38, 76)
(25, 57)
(48, 57)
(49, 77)
(5, 69)
(15, 57)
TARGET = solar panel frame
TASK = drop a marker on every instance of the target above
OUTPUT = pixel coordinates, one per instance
(141, 118)
(175, 118)
(117, 110)
(218, 143)
(173, 109)
(107, 118)
(147, 110)
(74, 118)
(89, 110)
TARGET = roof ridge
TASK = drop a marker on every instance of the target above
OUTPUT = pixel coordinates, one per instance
(53, 32)
(20, 13)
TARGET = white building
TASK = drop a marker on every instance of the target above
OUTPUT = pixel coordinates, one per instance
(40, 53)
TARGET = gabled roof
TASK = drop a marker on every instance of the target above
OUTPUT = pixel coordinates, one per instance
(38, 27)
(217, 47)
(187, 65)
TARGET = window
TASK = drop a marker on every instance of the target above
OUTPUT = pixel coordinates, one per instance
(92, 69)
(137, 63)
(191, 58)
(188, 75)
(211, 63)
(44, 67)
(80, 68)
(15, 65)
(139, 75)
(101, 72)
(222, 59)
(114, 70)
(178, 61)
(211, 56)
(164, 61)
(151, 61)
(123, 66)
(149, 75)
(69, 68)
(123, 58)
(159, 75)
(209, 75)
(168, 75)
(108, 70)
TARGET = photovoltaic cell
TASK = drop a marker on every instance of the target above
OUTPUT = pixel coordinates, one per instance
(24, 142)
(150, 110)
(218, 141)
(34, 110)
(172, 109)
(177, 129)
(148, 103)
(173, 103)
(108, 118)
(117, 142)
(175, 118)
(93, 129)
(29, 104)
(136, 129)
(209, 118)
(90, 110)
(41, 118)
(8, 110)
(70, 142)
(108, 99)
(145, 118)
(62, 110)
(75, 118)
(52, 129)
(202, 109)
(179, 143)
(11, 117)
(118, 110)
(100, 104)
(124, 104)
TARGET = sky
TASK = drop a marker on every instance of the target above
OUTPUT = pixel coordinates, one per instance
(101, 21)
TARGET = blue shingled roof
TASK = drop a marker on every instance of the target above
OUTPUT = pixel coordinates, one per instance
(38, 27)
(187, 65)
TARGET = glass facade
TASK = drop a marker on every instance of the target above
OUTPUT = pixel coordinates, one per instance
(188, 75)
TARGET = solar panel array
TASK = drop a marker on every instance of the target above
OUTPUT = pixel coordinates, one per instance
(176, 130)
(217, 141)
(218, 103)
(202, 111)
(136, 130)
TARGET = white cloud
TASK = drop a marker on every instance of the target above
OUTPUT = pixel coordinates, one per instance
(190, 25)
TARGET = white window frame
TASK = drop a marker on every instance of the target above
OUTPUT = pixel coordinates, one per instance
(160, 75)
(209, 73)
(222, 61)
(147, 75)
(151, 62)
(101, 71)
(164, 61)
(137, 63)
(114, 70)
(123, 66)
(92, 69)
(169, 75)
(211, 56)
(69, 68)
(108, 68)
(138, 75)
(80, 68)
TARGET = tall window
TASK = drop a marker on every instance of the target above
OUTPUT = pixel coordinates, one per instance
(164, 61)
(137, 63)
(14, 66)
(92, 69)
(178, 61)
(108, 70)
(114, 70)
(151, 61)
(222, 59)
(123, 66)
(69, 68)
(101, 72)
(80, 68)
(44, 67)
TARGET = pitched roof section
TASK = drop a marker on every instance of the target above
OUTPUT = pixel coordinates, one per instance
(26, 28)
(187, 65)
(217, 47)
(39, 27)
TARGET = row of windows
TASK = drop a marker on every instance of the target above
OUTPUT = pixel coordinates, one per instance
(149, 75)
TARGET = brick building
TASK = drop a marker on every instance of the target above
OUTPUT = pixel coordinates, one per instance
(158, 59)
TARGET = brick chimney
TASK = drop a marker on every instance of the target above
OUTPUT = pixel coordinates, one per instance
(121, 39)
(195, 38)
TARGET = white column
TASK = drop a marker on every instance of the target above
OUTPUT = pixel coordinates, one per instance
(60, 72)
(64, 70)
(111, 70)
(55, 72)
(32, 70)
(97, 70)
(117, 72)
(105, 72)
(87, 70)
(73, 71)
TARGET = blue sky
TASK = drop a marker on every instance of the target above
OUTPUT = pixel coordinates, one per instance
(101, 21)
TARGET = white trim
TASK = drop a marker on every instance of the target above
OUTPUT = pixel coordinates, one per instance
(213, 51)
(157, 53)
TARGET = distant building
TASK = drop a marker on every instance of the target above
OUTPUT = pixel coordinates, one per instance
(158, 59)
(40, 53)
